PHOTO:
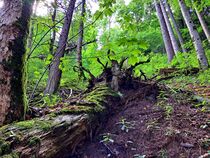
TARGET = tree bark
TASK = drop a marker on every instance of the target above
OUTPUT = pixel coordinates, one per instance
(115, 75)
(194, 35)
(14, 21)
(63, 136)
(52, 39)
(170, 30)
(55, 73)
(165, 34)
(181, 40)
(203, 24)
(80, 40)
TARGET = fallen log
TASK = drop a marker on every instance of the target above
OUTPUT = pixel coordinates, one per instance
(178, 71)
(63, 129)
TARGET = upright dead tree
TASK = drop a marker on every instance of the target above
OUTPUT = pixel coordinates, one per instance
(194, 35)
(55, 73)
(171, 15)
(170, 30)
(53, 34)
(165, 34)
(115, 75)
(80, 40)
(14, 21)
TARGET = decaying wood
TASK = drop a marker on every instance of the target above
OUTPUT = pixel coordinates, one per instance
(58, 133)
(176, 71)
(114, 74)
(65, 131)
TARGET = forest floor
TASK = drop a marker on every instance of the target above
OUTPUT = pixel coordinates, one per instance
(162, 122)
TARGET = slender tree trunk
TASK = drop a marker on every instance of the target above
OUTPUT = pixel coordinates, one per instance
(52, 39)
(194, 35)
(31, 32)
(14, 21)
(203, 24)
(171, 15)
(170, 30)
(165, 34)
(55, 73)
(80, 40)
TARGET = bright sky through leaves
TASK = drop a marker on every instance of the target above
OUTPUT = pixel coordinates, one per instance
(1, 3)
(42, 10)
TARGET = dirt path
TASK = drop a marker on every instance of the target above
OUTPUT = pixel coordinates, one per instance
(145, 127)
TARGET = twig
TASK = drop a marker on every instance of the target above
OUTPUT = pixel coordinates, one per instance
(110, 151)
(84, 44)
(37, 83)
(43, 38)
(205, 155)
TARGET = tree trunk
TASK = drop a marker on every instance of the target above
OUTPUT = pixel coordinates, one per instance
(80, 40)
(14, 20)
(203, 24)
(115, 75)
(165, 34)
(194, 35)
(181, 41)
(52, 39)
(31, 32)
(170, 30)
(55, 73)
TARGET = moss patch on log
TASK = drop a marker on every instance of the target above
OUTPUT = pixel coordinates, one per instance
(76, 110)
(98, 96)
(94, 101)
(35, 123)
(11, 155)
(34, 141)
(5, 148)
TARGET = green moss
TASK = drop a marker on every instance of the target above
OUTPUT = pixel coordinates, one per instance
(97, 99)
(11, 155)
(3, 128)
(1, 141)
(98, 96)
(34, 141)
(5, 148)
(43, 125)
(76, 110)
(26, 124)
(24, 84)
(51, 115)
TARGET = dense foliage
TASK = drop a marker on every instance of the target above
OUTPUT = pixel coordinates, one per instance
(130, 31)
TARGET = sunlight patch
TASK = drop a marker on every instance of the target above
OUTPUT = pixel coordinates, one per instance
(127, 2)
(1, 3)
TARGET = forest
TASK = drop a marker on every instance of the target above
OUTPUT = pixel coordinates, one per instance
(104, 78)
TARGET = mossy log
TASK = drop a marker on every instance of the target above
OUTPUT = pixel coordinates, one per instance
(45, 137)
(54, 134)
(178, 71)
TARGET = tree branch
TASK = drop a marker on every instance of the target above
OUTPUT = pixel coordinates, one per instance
(71, 48)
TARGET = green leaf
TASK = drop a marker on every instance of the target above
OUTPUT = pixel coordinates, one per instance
(132, 60)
